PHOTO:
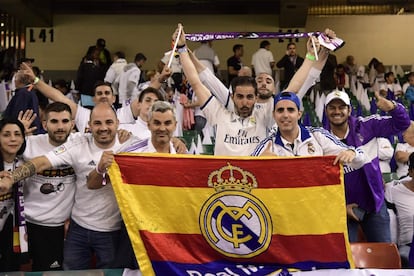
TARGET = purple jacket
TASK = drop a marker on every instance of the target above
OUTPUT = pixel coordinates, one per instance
(365, 186)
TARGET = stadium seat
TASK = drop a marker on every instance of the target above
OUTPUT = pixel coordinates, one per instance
(388, 177)
(376, 255)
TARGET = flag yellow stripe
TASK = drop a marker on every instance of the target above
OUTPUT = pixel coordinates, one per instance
(130, 219)
(295, 211)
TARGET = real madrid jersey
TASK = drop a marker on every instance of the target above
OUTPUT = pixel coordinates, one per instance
(93, 209)
(48, 195)
(236, 136)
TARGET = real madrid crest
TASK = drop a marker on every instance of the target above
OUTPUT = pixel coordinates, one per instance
(233, 221)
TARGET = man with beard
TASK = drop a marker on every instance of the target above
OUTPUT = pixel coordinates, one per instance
(364, 190)
(95, 225)
(265, 87)
(49, 195)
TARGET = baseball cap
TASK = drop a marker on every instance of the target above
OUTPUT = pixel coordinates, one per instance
(26, 59)
(287, 96)
(338, 95)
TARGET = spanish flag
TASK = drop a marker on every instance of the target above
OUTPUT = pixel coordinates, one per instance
(207, 215)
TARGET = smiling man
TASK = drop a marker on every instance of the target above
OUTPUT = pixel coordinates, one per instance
(364, 188)
(49, 195)
(161, 124)
(293, 139)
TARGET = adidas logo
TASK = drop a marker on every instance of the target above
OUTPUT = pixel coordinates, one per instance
(92, 163)
(55, 264)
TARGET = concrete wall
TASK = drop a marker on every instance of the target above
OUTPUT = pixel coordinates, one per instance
(386, 37)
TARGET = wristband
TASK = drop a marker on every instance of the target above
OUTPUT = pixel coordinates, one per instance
(103, 175)
(180, 46)
(36, 80)
(99, 172)
(310, 57)
(182, 49)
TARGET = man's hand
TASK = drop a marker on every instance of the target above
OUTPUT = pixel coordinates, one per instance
(345, 156)
(106, 160)
(165, 74)
(181, 39)
(6, 182)
(309, 45)
(350, 211)
(123, 135)
(27, 71)
(179, 145)
(268, 151)
(27, 118)
(383, 103)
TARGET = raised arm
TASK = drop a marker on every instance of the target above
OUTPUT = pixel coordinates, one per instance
(49, 91)
(311, 68)
(213, 84)
(203, 94)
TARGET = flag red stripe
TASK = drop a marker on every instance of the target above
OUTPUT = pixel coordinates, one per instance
(193, 249)
(269, 173)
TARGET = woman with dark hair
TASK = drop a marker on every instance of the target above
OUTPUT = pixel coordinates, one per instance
(13, 239)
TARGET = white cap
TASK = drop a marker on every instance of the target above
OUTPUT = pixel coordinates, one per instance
(338, 95)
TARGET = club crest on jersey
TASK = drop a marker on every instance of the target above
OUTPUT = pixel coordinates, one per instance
(233, 221)
(60, 149)
(311, 148)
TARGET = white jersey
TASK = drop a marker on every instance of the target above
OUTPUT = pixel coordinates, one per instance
(236, 136)
(139, 129)
(93, 209)
(145, 146)
(124, 115)
(48, 195)
(403, 198)
(385, 154)
(311, 141)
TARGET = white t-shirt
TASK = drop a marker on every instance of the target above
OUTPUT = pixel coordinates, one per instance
(93, 209)
(236, 136)
(130, 75)
(112, 75)
(139, 129)
(402, 169)
(403, 198)
(261, 60)
(49, 195)
(385, 153)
